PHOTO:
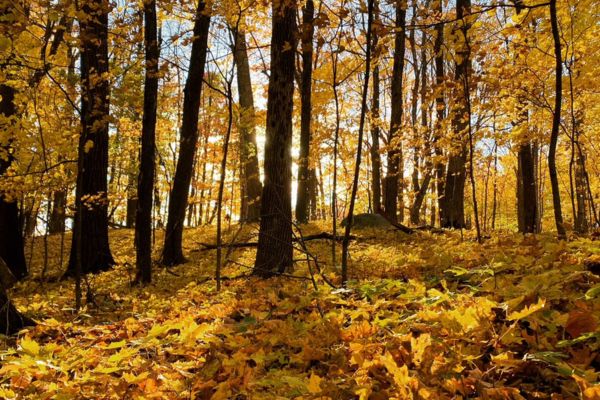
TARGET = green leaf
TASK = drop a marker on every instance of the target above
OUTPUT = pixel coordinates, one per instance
(593, 292)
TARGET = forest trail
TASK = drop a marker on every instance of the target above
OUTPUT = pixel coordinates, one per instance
(427, 316)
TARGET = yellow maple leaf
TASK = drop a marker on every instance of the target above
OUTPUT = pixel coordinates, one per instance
(527, 311)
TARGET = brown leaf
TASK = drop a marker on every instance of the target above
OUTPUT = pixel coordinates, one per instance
(580, 322)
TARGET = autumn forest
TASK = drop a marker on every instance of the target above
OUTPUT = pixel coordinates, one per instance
(299, 199)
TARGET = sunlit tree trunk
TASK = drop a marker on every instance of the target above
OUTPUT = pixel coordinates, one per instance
(421, 190)
(275, 249)
(375, 133)
(304, 169)
(172, 253)
(250, 182)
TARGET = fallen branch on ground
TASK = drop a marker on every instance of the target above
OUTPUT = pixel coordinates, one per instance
(307, 238)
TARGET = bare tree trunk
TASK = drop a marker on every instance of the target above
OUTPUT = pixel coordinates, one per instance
(375, 133)
(421, 190)
(454, 199)
(526, 183)
(57, 216)
(90, 248)
(304, 169)
(172, 253)
(393, 180)
(556, 124)
(440, 110)
(145, 189)
(222, 174)
(275, 249)
(361, 128)
(250, 177)
(11, 239)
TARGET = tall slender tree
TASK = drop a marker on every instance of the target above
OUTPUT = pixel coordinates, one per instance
(304, 170)
(145, 189)
(526, 183)
(275, 236)
(453, 215)
(172, 253)
(251, 185)
(89, 246)
(560, 228)
(375, 115)
(361, 129)
(11, 239)
(440, 107)
(393, 181)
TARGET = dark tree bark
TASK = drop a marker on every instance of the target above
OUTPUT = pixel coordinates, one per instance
(251, 185)
(556, 124)
(526, 182)
(375, 116)
(172, 253)
(89, 245)
(375, 133)
(145, 187)
(393, 180)
(57, 216)
(275, 236)
(581, 221)
(440, 107)
(526, 189)
(453, 215)
(361, 128)
(421, 190)
(11, 239)
(304, 170)
(11, 320)
(131, 208)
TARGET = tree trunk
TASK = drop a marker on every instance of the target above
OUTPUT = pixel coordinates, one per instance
(526, 187)
(526, 182)
(11, 239)
(440, 106)
(556, 124)
(275, 236)
(421, 191)
(394, 173)
(57, 217)
(304, 170)
(131, 208)
(453, 215)
(90, 232)
(145, 189)
(361, 128)
(375, 133)
(172, 253)
(251, 185)
(11, 320)
(581, 221)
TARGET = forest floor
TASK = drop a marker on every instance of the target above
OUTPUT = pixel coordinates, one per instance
(432, 316)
